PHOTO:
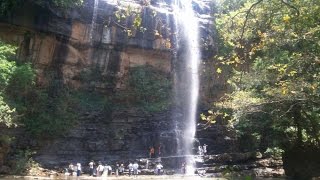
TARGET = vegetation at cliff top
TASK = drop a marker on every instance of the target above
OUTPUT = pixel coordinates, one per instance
(7, 5)
(272, 49)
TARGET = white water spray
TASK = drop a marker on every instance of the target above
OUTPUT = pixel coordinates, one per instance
(188, 75)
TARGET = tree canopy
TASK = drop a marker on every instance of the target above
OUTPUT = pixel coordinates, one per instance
(272, 49)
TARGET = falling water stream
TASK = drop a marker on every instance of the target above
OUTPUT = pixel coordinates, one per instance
(187, 25)
(94, 18)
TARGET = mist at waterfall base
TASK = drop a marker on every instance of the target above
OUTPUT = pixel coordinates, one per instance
(187, 77)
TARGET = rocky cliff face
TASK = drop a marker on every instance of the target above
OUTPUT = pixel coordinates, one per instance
(94, 48)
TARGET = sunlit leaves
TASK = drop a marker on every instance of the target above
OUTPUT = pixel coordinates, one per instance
(275, 62)
(219, 71)
(286, 18)
(133, 14)
(210, 117)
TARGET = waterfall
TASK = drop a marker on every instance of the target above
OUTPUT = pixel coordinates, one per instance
(94, 18)
(187, 82)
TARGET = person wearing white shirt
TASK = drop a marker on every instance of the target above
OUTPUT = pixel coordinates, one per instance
(135, 167)
(100, 169)
(159, 167)
(78, 169)
(91, 164)
(130, 167)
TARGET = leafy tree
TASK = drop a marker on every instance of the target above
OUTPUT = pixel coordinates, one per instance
(272, 48)
(7, 68)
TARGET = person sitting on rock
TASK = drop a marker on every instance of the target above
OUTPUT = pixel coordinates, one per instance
(71, 169)
(66, 172)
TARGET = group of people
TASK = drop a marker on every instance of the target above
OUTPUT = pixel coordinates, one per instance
(73, 169)
(101, 170)
(202, 150)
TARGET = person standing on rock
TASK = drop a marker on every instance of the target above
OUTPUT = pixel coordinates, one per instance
(151, 152)
(117, 169)
(91, 168)
(130, 167)
(106, 170)
(135, 167)
(121, 169)
(183, 168)
(100, 169)
(78, 169)
(205, 149)
(159, 150)
(200, 150)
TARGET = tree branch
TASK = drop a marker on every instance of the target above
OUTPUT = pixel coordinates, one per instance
(119, 25)
(314, 126)
(291, 6)
(247, 16)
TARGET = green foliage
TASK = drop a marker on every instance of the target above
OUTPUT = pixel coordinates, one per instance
(54, 116)
(7, 69)
(275, 152)
(8, 5)
(273, 50)
(7, 66)
(22, 103)
(40, 112)
(67, 3)
(49, 116)
(6, 113)
(91, 101)
(22, 81)
(24, 162)
(150, 88)
(135, 23)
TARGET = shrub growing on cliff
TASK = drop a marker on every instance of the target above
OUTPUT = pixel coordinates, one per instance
(20, 98)
(7, 68)
(149, 88)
